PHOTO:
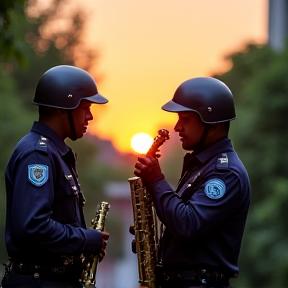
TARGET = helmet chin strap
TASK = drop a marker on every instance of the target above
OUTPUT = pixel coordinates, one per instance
(72, 126)
(200, 145)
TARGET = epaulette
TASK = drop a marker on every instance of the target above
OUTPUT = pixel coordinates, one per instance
(41, 144)
(223, 162)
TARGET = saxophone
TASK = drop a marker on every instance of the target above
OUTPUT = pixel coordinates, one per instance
(146, 224)
(90, 262)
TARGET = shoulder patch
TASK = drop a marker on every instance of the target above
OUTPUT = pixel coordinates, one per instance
(38, 174)
(215, 188)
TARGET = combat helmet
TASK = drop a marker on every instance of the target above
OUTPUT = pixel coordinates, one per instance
(207, 96)
(64, 87)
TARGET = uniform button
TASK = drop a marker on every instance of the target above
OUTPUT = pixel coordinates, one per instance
(36, 275)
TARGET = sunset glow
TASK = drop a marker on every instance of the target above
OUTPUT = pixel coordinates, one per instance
(151, 47)
(141, 142)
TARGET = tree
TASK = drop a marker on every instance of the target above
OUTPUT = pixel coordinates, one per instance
(60, 25)
(11, 41)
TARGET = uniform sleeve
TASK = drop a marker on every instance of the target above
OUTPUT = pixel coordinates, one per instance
(32, 207)
(208, 208)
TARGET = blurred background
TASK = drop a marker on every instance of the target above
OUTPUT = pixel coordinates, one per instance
(139, 52)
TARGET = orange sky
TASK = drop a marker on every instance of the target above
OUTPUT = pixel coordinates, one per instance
(149, 47)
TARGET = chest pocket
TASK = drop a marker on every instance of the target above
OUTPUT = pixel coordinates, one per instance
(66, 201)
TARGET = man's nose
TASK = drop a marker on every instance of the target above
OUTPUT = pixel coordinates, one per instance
(89, 116)
(177, 127)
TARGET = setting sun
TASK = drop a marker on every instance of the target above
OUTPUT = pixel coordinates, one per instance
(141, 142)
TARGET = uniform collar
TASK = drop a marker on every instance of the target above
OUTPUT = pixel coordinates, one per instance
(192, 160)
(223, 145)
(46, 131)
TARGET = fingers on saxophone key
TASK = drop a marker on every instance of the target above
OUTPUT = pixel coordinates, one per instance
(133, 246)
(101, 255)
(105, 235)
(132, 229)
(139, 167)
(137, 172)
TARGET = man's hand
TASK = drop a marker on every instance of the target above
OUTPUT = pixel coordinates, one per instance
(105, 237)
(148, 169)
(133, 243)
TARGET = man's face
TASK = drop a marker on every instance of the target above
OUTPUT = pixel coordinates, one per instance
(81, 116)
(190, 129)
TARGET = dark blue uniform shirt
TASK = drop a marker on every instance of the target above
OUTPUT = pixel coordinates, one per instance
(44, 201)
(206, 216)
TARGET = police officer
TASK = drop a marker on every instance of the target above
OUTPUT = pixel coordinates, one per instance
(45, 231)
(205, 216)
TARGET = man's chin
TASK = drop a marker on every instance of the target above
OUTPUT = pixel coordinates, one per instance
(74, 138)
(184, 146)
(187, 148)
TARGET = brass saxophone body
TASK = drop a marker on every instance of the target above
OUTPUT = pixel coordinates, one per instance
(90, 262)
(146, 224)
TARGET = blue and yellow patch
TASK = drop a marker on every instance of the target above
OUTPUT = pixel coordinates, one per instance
(38, 174)
(215, 188)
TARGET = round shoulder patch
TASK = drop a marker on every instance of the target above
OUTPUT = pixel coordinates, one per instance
(215, 188)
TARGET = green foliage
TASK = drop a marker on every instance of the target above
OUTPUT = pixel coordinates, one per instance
(259, 83)
(14, 123)
(12, 44)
